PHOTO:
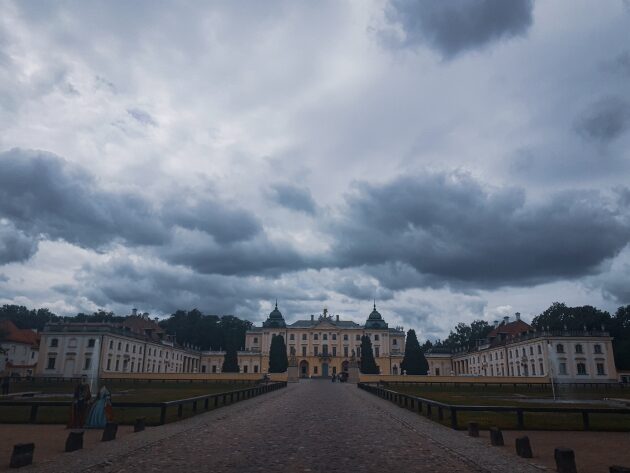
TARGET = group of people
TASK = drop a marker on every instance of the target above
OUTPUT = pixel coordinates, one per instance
(341, 377)
(88, 413)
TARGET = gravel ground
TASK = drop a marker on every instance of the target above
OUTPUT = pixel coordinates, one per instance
(312, 426)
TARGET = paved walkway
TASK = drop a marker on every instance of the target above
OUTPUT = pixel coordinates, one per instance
(312, 426)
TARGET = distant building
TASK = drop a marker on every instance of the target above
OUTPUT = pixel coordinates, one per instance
(137, 345)
(18, 349)
(516, 349)
(323, 345)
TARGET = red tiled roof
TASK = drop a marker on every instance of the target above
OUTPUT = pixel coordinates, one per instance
(510, 329)
(17, 335)
(139, 325)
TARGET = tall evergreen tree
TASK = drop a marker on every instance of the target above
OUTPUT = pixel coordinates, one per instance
(278, 360)
(230, 360)
(368, 365)
(414, 361)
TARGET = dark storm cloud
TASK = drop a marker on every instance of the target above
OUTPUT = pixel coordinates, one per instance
(459, 25)
(604, 120)
(15, 246)
(45, 195)
(362, 289)
(449, 228)
(293, 197)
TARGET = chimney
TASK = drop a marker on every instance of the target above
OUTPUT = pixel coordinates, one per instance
(496, 323)
(506, 319)
(518, 316)
(337, 317)
(134, 312)
(156, 320)
(312, 317)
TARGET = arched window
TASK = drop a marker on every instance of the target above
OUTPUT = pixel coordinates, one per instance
(578, 348)
(559, 348)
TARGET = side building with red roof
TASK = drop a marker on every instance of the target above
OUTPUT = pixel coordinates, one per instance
(19, 350)
(516, 349)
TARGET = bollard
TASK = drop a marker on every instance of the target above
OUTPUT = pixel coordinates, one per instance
(139, 424)
(74, 440)
(523, 447)
(496, 437)
(565, 460)
(473, 429)
(22, 455)
(110, 432)
(619, 469)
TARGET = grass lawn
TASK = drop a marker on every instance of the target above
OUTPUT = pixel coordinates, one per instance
(122, 391)
(535, 396)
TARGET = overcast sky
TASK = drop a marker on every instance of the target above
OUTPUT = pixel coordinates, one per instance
(452, 159)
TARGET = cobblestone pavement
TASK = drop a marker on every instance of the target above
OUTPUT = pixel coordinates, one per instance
(312, 426)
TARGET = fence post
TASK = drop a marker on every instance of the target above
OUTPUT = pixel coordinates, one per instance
(33, 418)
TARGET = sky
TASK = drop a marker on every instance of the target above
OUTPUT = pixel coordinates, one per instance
(453, 160)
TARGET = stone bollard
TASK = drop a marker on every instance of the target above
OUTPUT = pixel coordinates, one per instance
(619, 469)
(22, 455)
(523, 447)
(565, 460)
(496, 437)
(110, 432)
(473, 429)
(74, 440)
(139, 425)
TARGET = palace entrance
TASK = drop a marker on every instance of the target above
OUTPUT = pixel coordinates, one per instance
(304, 369)
(324, 370)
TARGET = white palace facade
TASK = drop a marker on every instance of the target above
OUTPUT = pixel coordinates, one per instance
(515, 349)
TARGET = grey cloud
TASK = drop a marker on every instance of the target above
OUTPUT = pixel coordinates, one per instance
(45, 195)
(293, 197)
(605, 120)
(452, 230)
(456, 26)
(141, 116)
(362, 289)
(15, 246)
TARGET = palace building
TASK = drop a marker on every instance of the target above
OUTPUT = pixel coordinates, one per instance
(516, 349)
(323, 345)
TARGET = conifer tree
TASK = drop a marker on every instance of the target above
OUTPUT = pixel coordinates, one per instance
(230, 360)
(414, 361)
(278, 360)
(368, 365)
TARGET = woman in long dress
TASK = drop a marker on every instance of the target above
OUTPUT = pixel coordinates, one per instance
(101, 411)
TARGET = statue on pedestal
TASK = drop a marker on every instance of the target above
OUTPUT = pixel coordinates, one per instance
(292, 357)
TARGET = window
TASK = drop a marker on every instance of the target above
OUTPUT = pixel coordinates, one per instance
(140, 350)
(119, 345)
(214, 368)
(345, 351)
(542, 370)
(345, 337)
(88, 362)
(303, 350)
(533, 369)
(531, 350)
(111, 344)
(539, 350)
(578, 348)
(359, 352)
(255, 339)
(315, 336)
(315, 351)
(54, 343)
(255, 368)
(437, 371)
(334, 336)
(325, 336)
(395, 342)
(51, 363)
(563, 368)
(600, 369)
(358, 338)
(376, 337)
(91, 343)
(334, 351)
(581, 368)
(109, 364)
(314, 369)
(127, 348)
(598, 349)
(133, 363)
(376, 352)
(559, 348)
(292, 337)
(245, 368)
(117, 365)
